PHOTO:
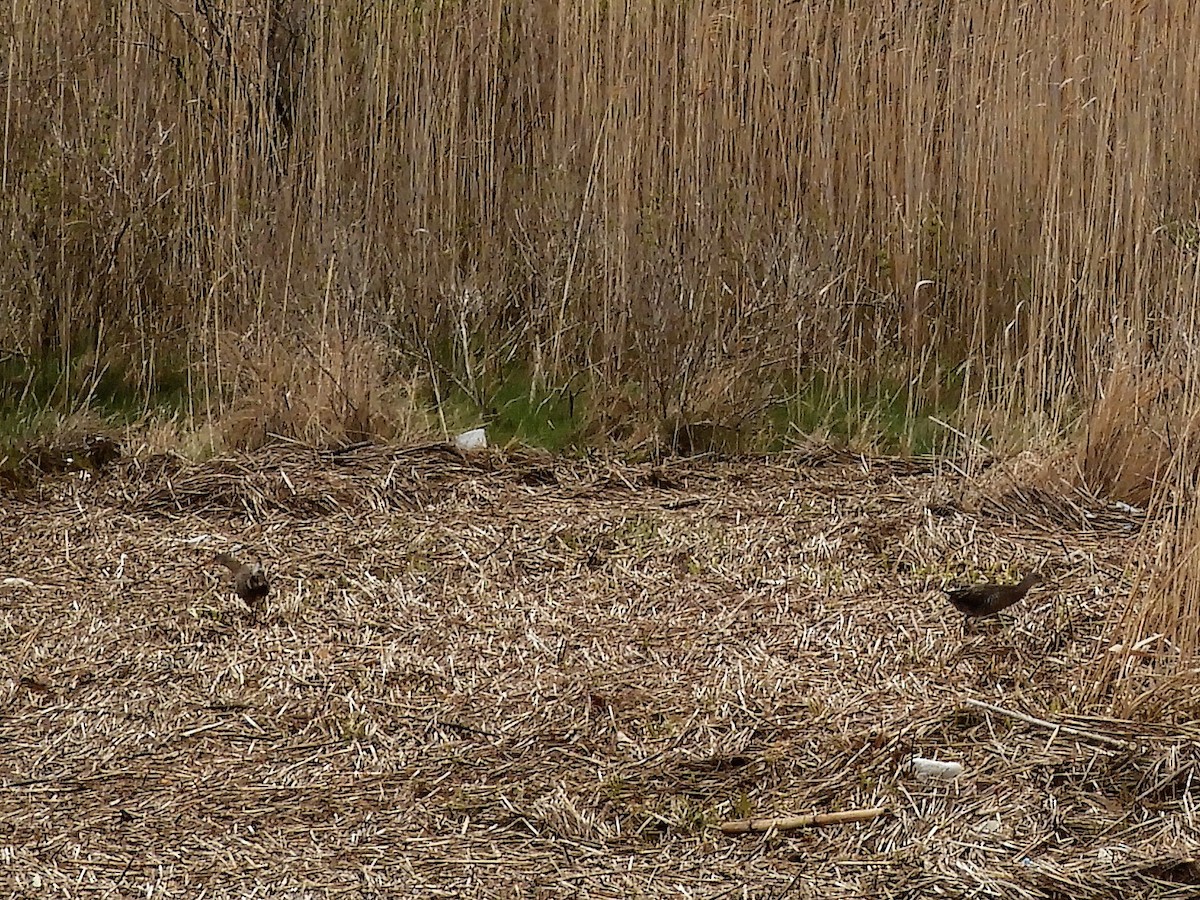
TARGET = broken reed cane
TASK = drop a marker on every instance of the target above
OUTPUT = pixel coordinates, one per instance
(748, 826)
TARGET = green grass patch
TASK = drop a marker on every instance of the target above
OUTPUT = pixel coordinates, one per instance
(887, 415)
(40, 394)
(884, 414)
(111, 388)
(44, 396)
(515, 410)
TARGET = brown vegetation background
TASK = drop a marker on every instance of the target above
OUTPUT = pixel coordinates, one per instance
(326, 216)
(693, 206)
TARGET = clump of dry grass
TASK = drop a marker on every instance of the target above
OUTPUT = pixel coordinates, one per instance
(327, 388)
(1133, 431)
(1140, 446)
(1150, 668)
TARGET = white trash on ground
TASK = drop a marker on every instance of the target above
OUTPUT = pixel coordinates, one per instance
(932, 768)
(475, 439)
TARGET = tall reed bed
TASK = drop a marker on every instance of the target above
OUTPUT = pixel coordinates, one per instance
(694, 206)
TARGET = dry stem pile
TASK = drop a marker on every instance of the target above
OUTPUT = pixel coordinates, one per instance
(520, 677)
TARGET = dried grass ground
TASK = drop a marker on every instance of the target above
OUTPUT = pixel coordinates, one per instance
(520, 677)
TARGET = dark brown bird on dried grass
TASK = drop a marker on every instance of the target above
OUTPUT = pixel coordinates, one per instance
(249, 580)
(988, 599)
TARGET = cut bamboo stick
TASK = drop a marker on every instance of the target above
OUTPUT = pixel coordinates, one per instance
(748, 826)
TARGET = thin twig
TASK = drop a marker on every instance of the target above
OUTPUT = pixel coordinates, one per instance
(1065, 729)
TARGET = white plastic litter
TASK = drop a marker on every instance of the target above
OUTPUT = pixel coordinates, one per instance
(932, 768)
(475, 439)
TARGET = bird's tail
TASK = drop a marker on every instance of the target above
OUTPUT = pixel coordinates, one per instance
(228, 562)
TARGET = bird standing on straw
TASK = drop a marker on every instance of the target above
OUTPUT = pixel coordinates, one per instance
(981, 600)
(249, 580)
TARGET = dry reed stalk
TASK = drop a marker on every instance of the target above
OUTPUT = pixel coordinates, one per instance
(790, 823)
(1056, 727)
(1163, 605)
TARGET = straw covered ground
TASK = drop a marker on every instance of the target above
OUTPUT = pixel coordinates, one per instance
(517, 676)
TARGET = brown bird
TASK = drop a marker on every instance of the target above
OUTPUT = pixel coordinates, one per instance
(988, 599)
(249, 580)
